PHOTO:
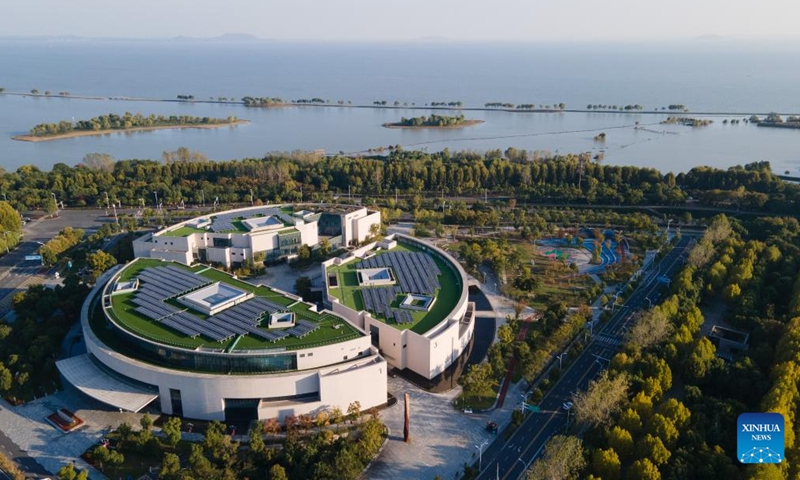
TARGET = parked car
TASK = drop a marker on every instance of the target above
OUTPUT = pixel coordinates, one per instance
(567, 406)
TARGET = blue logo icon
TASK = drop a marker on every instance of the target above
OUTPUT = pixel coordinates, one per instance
(760, 438)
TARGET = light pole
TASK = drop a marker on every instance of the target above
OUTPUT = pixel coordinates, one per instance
(155, 193)
(560, 357)
(203, 193)
(251, 197)
(480, 454)
(108, 203)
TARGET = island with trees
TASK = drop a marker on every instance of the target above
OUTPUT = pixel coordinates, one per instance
(434, 121)
(114, 123)
(689, 122)
(777, 121)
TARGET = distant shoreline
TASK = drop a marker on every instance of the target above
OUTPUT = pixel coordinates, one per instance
(82, 133)
(392, 107)
(466, 123)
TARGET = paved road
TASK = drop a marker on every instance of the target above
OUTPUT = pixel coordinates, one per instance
(509, 460)
(24, 462)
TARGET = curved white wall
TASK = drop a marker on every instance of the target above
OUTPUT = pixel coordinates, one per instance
(427, 354)
(340, 382)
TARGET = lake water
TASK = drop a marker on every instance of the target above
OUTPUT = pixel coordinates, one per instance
(705, 76)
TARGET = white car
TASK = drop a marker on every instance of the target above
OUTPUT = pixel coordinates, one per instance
(567, 406)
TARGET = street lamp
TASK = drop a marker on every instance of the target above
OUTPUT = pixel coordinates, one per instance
(251, 197)
(480, 454)
(560, 357)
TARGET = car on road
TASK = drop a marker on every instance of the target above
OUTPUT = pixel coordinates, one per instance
(567, 406)
(491, 427)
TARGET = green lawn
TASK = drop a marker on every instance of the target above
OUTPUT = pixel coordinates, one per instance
(123, 312)
(183, 232)
(349, 293)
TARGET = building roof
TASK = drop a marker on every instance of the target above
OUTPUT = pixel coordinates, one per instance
(90, 379)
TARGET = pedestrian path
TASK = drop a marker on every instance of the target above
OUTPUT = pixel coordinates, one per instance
(26, 427)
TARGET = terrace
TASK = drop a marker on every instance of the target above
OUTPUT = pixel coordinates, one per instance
(156, 314)
(425, 274)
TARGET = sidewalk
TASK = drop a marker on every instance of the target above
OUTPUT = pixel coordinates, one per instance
(26, 427)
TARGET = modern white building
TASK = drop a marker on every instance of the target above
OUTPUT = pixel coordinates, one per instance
(244, 361)
(234, 236)
(430, 326)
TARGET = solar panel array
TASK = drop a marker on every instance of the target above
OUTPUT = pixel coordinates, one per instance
(224, 221)
(415, 272)
(162, 283)
(302, 328)
(158, 284)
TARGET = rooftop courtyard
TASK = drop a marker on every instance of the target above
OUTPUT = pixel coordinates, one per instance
(127, 310)
(353, 293)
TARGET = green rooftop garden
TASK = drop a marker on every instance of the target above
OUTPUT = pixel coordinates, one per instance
(349, 293)
(183, 232)
(123, 312)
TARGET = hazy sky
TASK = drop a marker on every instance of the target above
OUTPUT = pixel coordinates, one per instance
(370, 20)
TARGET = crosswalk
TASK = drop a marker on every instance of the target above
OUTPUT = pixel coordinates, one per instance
(605, 339)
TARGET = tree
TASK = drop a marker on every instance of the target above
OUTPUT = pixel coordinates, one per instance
(99, 161)
(146, 422)
(621, 441)
(479, 378)
(100, 261)
(324, 247)
(218, 445)
(630, 421)
(50, 206)
(701, 359)
(303, 253)
(643, 470)
(354, 411)
(653, 448)
(277, 472)
(606, 464)
(198, 463)
(10, 220)
(562, 459)
(602, 399)
(257, 439)
(336, 415)
(650, 329)
(67, 472)
(172, 430)
(663, 428)
(505, 334)
(170, 467)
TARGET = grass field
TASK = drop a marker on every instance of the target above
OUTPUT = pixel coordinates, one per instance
(125, 315)
(349, 293)
(183, 232)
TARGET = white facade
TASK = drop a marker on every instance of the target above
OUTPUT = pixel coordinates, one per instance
(327, 376)
(427, 354)
(356, 225)
(241, 246)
